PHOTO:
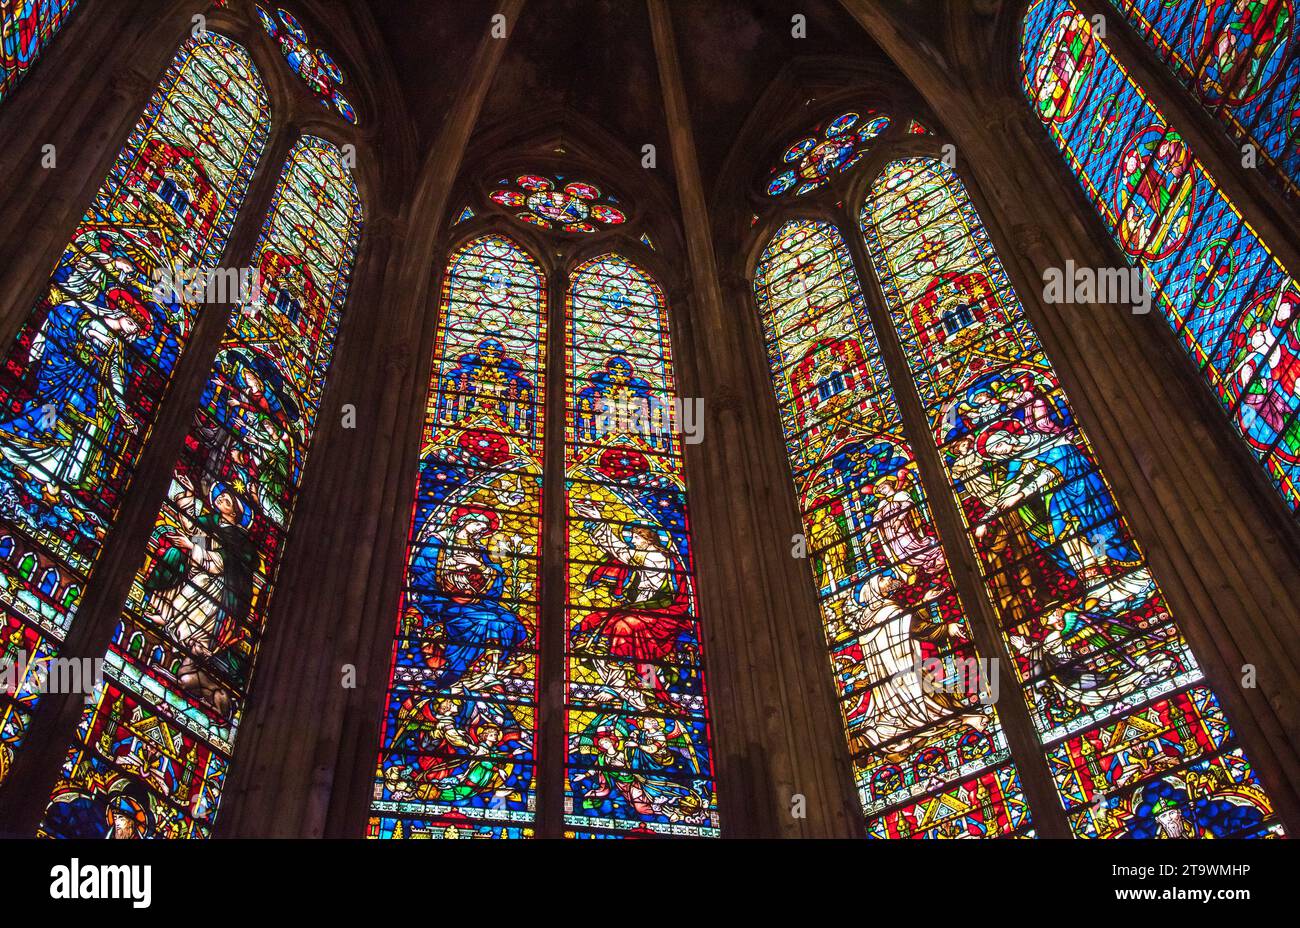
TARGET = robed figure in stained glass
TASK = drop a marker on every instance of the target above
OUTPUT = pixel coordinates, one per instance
(462, 749)
(466, 586)
(1266, 368)
(638, 745)
(644, 761)
(251, 436)
(902, 692)
(201, 586)
(1241, 43)
(641, 575)
(26, 27)
(79, 401)
(21, 37)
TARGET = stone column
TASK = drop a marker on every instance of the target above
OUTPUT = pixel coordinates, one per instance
(776, 725)
(307, 755)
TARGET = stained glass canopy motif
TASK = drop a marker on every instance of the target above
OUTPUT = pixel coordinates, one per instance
(315, 66)
(557, 203)
(834, 147)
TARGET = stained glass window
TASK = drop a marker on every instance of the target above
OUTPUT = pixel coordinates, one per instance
(1138, 746)
(26, 27)
(558, 204)
(1230, 301)
(639, 750)
(153, 747)
(315, 66)
(1239, 58)
(834, 147)
(929, 756)
(82, 382)
(457, 746)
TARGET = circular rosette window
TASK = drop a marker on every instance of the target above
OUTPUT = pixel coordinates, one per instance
(834, 147)
(317, 67)
(556, 203)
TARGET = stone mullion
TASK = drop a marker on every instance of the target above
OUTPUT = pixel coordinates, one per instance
(776, 725)
(26, 791)
(1172, 490)
(552, 633)
(289, 696)
(1045, 806)
(378, 464)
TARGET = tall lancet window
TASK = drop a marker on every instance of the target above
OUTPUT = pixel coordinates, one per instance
(26, 28)
(1232, 304)
(1137, 745)
(574, 705)
(639, 756)
(151, 753)
(457, 756)
(1241, 60)
(929, 756)
(81, 384)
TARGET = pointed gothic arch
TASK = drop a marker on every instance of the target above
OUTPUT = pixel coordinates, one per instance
(91, 367)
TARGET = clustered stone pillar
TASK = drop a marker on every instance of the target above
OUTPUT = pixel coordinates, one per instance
(308, 748)
(782, 763)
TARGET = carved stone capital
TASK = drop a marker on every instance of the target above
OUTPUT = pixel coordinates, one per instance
(1029, 239)
(129, 84)
(1001, 114)
(386, 227)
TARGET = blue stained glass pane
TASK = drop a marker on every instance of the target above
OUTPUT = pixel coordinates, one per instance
(1240, 59)
(26, 28)
(1216, 282)
(1067, 579)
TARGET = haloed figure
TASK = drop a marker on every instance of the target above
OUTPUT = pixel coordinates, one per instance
(653, 604)
(126, 819)
(201, 586)
(81, 370)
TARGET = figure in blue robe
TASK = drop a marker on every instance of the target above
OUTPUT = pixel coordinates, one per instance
(1073, 498)
(459, 587)
(79, 356)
